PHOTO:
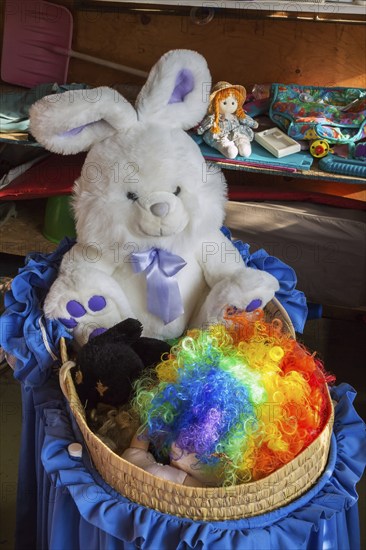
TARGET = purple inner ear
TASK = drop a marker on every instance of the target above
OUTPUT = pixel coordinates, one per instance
(184, 83)
(75, 131)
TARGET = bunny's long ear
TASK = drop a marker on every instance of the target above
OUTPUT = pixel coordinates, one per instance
(73, 121)
(176, 91)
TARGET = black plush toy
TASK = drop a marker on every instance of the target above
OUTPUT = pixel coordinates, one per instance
(110, 362)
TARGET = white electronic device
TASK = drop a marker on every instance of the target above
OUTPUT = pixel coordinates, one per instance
(277, 142)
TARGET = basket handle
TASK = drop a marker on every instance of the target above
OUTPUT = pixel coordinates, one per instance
(64, 371)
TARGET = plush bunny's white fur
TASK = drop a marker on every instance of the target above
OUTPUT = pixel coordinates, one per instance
(144, 185)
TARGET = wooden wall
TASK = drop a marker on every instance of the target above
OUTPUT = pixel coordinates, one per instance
(237, 49)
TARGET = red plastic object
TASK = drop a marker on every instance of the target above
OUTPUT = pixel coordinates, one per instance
(242, 193)
(53, 176)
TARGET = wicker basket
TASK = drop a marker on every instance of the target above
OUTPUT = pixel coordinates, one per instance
(197, 503)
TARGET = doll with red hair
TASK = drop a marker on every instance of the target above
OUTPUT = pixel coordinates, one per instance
(227, 127)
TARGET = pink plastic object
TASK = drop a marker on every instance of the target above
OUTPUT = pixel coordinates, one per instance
(37, 44)
(32, 31)
(261, 91)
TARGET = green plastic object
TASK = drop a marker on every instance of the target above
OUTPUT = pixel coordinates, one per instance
(58, 220)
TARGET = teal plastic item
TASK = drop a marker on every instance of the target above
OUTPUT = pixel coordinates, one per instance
(339, 165)
(260, 157)
(58, 221)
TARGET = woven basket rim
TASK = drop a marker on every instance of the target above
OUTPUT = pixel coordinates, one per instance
(290, 481)
(146, 484)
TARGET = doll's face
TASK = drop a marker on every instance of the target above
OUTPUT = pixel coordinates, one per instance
(228, 105)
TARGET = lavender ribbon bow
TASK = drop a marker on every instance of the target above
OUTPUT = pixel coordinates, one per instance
(163, 295)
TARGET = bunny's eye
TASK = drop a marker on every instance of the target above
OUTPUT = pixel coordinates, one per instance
(132, 196)
(177, 191)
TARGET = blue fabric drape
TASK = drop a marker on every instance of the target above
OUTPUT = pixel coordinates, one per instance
(25, 333)
(68, 506)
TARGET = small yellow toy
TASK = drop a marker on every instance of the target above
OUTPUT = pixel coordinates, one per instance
(319, 148)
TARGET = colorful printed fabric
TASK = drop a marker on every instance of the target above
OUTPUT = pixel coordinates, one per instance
(310, 112)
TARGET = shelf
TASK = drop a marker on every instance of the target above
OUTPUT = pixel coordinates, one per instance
(56, 175)
(299, 165)
(327, 8)
(314, 174)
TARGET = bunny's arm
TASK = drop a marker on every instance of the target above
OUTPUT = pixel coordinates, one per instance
(85, 297)
(230, 281)
(91, 255)
(219, 258)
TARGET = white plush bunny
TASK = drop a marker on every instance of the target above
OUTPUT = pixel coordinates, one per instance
(148, 209)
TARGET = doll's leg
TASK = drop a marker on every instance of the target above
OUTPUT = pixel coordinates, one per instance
(140, 441)
(137, 454)
(227, 148)
(244, 147)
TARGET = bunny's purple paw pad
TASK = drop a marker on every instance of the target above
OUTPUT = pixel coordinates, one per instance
(96, 332)
(77, 310)
(254, 304)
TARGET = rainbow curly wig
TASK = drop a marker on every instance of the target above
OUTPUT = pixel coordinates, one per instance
(243, 396)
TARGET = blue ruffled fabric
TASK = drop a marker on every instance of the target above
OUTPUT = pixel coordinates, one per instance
(291, 299)
(20, 324)
(75, 505)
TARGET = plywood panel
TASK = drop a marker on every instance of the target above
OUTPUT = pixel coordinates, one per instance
(237, 49)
